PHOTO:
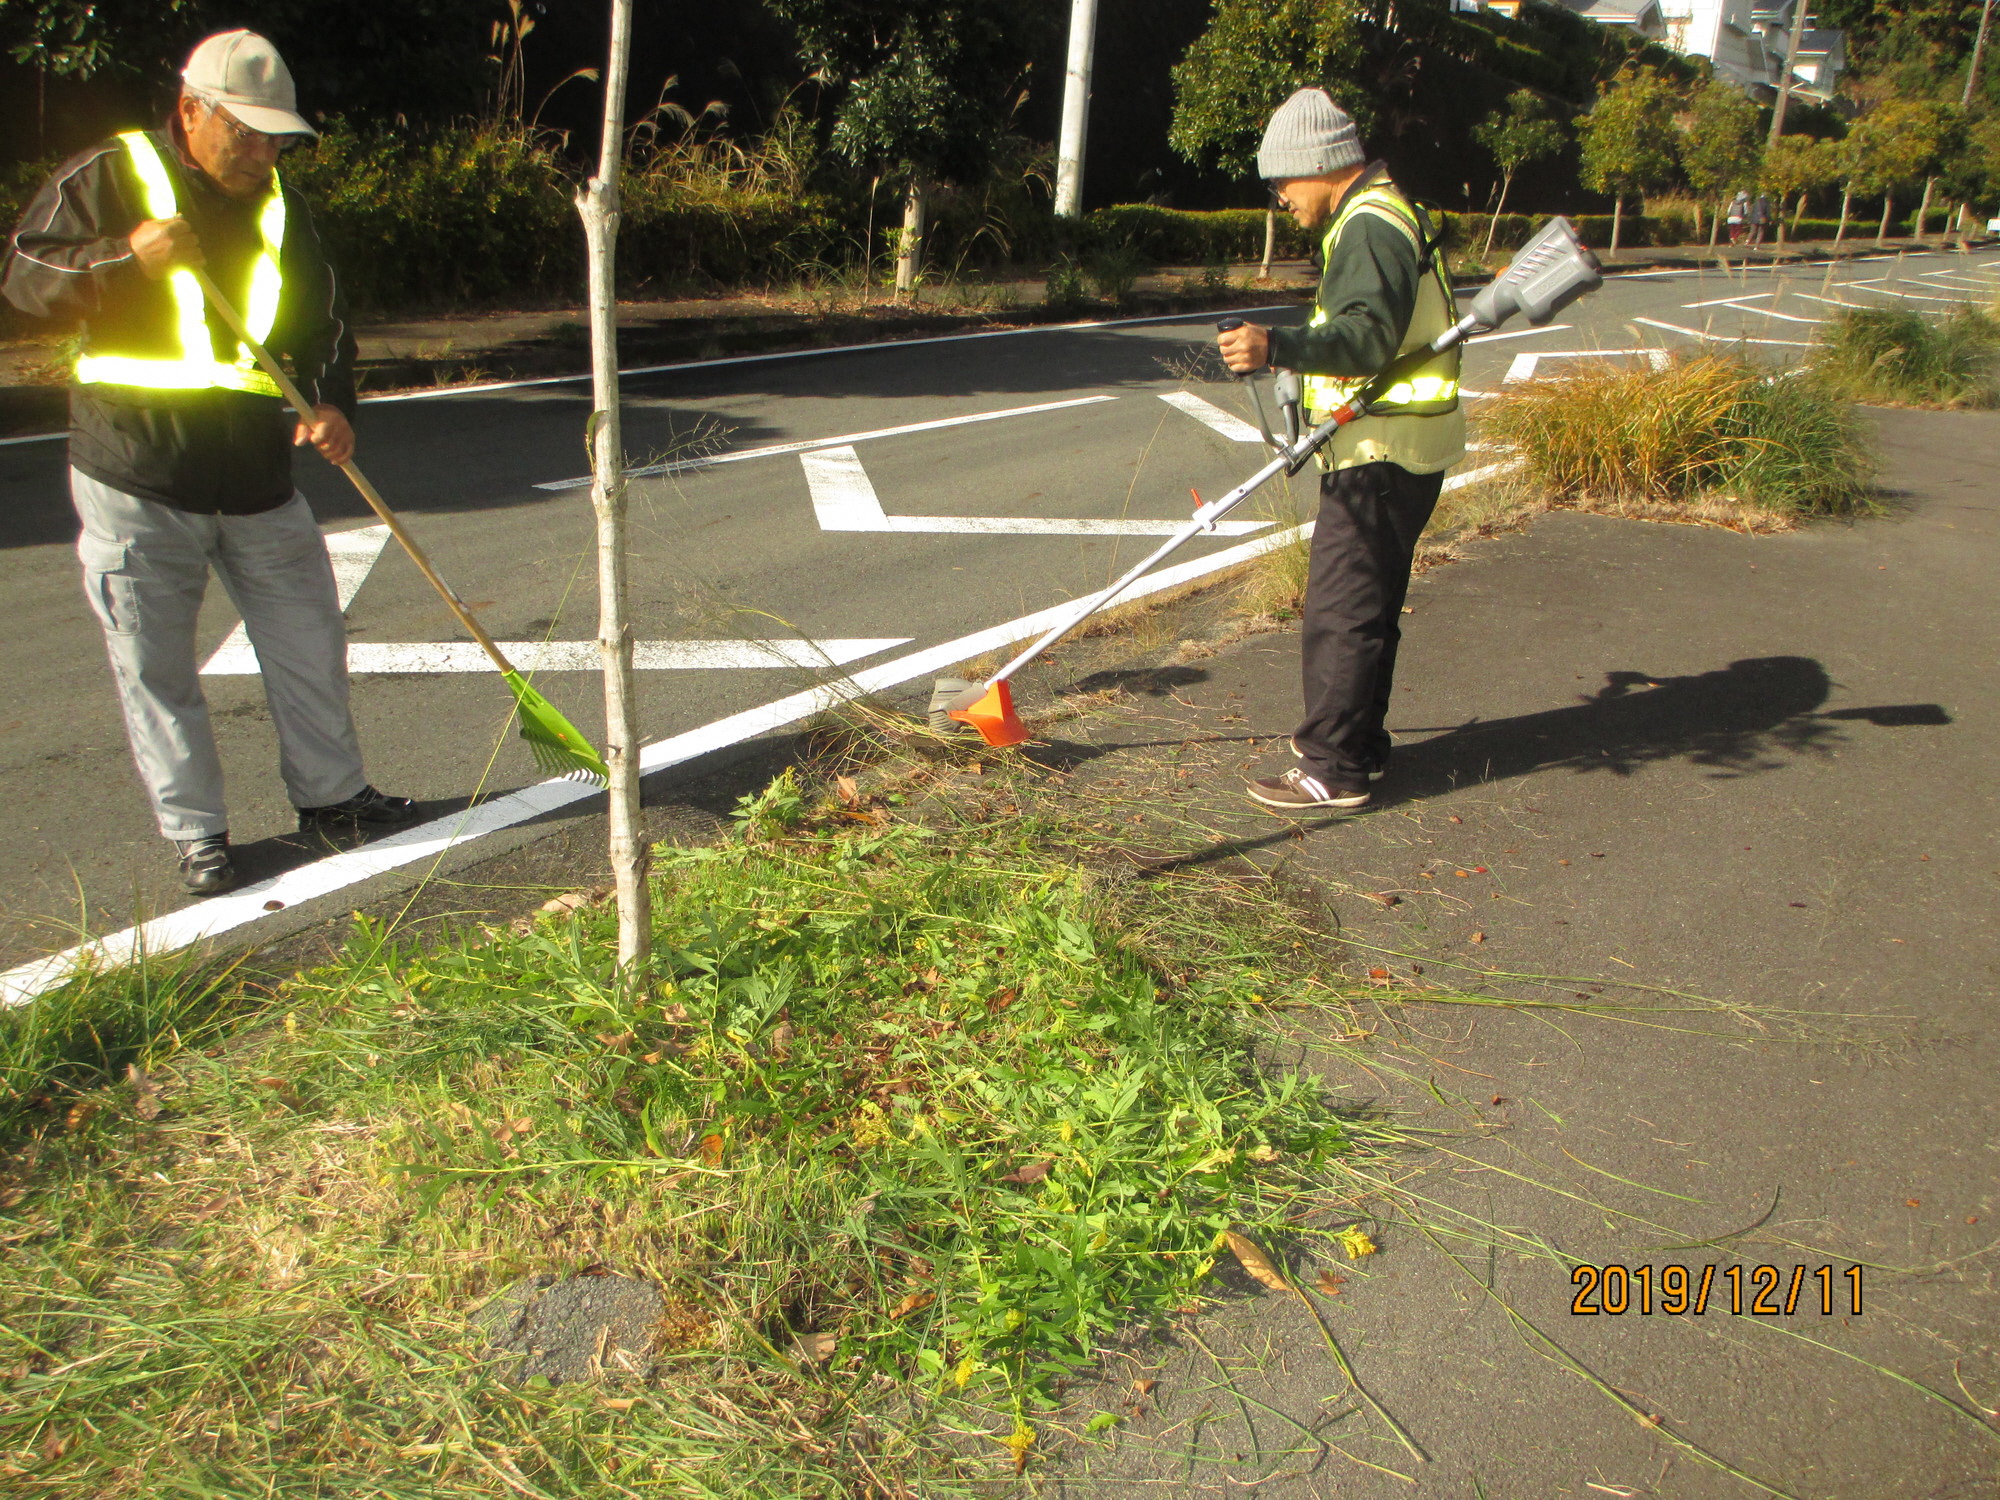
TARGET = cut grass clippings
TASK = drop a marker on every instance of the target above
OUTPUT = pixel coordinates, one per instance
(1892, 356)
(900, 1119)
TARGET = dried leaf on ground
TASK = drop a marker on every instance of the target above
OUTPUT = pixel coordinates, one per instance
(1032, 1173)
(711, 1150)
(145, 1093)
(1329, 1284)
(1477, 937)
(849, 792)
(814, 1347)
(912, 1303)
(1251, 1257)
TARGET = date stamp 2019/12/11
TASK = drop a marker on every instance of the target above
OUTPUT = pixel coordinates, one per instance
(1758, 1291)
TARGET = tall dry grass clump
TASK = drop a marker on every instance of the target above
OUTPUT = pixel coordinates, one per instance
(1894, 356)
(1700, 429)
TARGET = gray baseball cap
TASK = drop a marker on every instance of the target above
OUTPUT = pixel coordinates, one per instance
(1308, 136)
(242, 71)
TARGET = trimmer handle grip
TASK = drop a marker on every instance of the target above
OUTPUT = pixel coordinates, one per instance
(1230, 325)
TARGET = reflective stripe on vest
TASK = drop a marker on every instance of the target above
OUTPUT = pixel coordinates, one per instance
(1428, 394)
(198, 368)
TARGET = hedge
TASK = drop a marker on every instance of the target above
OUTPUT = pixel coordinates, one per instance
(1186, 238)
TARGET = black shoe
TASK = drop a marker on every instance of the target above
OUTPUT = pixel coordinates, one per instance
(367, 811)
(205, 866)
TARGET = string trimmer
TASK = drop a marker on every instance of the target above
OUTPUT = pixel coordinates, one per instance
(559, 747)
(1548, 274)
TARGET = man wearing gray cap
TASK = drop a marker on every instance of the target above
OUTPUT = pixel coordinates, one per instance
(1383, 291)
(180, 450)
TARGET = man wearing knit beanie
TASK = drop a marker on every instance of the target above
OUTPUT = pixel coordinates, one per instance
(1383, 292)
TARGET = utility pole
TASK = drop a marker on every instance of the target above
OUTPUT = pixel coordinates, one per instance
(1978, 49)
(1791, 58)
(1076, 109)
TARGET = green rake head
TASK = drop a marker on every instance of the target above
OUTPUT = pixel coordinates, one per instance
(559, 747)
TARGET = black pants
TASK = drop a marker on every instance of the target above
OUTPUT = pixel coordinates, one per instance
(1363, 544)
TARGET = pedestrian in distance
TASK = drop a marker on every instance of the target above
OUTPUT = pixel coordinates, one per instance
(1738, 217)
(1760, 218)
(180, 447)
(1384, 291)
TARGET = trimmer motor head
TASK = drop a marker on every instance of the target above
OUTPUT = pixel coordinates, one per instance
(1548, 273)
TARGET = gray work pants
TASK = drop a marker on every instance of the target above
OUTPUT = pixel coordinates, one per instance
(145, 569)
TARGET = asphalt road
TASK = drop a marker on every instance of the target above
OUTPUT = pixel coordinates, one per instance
(821, 546)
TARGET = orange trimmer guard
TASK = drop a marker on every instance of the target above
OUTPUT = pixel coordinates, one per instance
(990, 710)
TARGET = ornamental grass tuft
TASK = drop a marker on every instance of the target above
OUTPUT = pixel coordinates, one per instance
(1700, 428)
(1894, 356)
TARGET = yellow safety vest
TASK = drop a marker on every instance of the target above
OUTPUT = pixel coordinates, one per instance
(197, 368)
(1417, 423)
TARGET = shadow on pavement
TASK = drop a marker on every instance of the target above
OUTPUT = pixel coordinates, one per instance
(1751, 717)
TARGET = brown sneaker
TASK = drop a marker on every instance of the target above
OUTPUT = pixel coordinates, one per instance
(1375, 775)
(1297, 790)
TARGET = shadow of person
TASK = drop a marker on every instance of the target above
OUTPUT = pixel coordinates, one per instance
(1752, 717)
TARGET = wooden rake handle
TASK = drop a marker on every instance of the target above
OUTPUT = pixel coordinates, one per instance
(376, 503)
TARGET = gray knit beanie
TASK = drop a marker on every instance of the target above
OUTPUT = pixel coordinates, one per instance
(1308, 136)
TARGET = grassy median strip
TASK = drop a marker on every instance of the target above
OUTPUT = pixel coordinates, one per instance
(908, 1120)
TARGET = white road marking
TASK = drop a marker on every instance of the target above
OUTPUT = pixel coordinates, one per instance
(1727, 301)
(1524, 365)
(1721, 338)
(1892, 292)
(1772, 312)
(383, 658)
(221, 915)
(353, 554)
(1213, 417)
(1474, 476)
(1833, 301)
(686, 465)
(844, 499)
(1084, 326)
(1519, 333)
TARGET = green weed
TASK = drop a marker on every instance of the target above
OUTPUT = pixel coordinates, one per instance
(898, 1119)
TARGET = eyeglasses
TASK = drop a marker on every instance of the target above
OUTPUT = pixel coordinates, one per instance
(244, 136)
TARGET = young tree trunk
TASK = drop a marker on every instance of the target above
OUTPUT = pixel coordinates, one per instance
(868, 243)
(1846, 200)
(1715, 224)
(1924, 207)
(599, 206)
(910, 247)
(1492, 224)
(1617, 219)
(1779, 218)
(1799, 213)
(1270, 242)
(1882, 229)
(1697, 218)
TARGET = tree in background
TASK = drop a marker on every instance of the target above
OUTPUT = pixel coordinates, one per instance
(416, 58)
(1628, 139)
(1720, 147)
(1513, 137)
(1254, 55)
(1795, 165)
(925, 93)
(1892, 146)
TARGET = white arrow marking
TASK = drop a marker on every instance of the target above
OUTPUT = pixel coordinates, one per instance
(684, 465)
(1213, 417)
(353, 553)
(844, 499)
(384, 658)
